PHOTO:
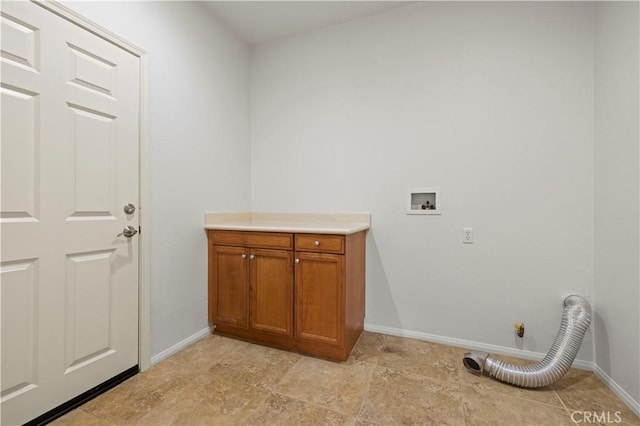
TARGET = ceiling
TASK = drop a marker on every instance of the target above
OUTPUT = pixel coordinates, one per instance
(258, 22)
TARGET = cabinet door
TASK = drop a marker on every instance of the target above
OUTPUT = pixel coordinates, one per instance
(320, 293)
(229, 296)
(271, 291)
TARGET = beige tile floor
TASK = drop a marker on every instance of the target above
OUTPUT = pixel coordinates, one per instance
(386, 381)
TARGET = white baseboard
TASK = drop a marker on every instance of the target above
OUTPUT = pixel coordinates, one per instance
(620, 393)
(180, 346)
(470, 344)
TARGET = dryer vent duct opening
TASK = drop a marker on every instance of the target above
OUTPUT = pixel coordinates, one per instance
(576, 318)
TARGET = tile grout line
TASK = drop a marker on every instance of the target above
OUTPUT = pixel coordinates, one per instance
(465, 413)
(177, 390)
(91, 414)
(534, 400)
(258, 407)
(367, 388)
(463, 404)
(561, 401)
(314, 404)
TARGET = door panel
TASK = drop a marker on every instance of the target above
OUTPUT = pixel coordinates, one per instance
(20, 111)
(89, 307)
(272, 291)
(19, 325)
(320, 297)
(92, 72)
(20, 43)
(93, 142)
(70, 126)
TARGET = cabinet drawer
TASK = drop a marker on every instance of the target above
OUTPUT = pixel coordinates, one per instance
(252, 239)
(320, 243)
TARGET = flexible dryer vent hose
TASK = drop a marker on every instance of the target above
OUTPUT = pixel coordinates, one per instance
(576, 318)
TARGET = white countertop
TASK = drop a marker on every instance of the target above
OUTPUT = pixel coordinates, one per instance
(311, 223)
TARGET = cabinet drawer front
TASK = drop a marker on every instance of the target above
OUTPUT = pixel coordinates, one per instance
(230, 238)
(274, 240)
(320, 243)
(270, 240)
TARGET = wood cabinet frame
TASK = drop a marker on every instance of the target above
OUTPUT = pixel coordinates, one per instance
(322, 313)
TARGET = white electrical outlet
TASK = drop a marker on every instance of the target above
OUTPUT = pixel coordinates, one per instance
(467, 235)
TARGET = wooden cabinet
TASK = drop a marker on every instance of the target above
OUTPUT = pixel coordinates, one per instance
(302, 292)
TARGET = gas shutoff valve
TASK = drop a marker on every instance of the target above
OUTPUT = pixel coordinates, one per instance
(519, 329)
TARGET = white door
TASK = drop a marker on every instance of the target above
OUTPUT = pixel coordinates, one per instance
(69, 147)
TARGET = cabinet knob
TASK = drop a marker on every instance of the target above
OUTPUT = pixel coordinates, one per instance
(252, 257)
(297, 260)
(244, 256)
(316, 243)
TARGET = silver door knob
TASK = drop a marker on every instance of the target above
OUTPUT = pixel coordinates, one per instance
(316, 243)
(128, 231)
(252, 257)
(129, 208)
(244, 256)
(297, 260)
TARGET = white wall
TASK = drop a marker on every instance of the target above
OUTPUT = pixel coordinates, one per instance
(617, 199)
(199, 147)
(491, 102)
